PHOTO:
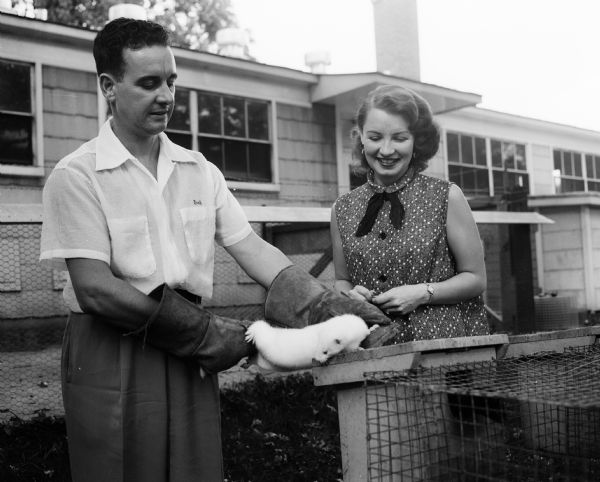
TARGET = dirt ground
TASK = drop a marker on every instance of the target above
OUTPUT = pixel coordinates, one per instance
(30, 382)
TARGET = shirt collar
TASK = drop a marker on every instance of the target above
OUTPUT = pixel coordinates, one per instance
(111, 153)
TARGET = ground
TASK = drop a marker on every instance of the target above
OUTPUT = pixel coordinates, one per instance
(30, 382)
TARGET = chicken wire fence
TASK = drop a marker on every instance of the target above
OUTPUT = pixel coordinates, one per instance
(33, 314)
(531, 418)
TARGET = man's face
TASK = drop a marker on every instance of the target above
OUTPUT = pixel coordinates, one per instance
(144, 97)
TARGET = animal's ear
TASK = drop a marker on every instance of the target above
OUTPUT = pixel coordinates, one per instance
(338, 341)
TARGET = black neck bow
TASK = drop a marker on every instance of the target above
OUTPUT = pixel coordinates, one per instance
(373, 207)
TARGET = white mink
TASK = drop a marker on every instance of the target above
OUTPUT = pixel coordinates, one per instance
(295, 348)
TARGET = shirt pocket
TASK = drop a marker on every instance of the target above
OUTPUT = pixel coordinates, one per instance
(199, 230)
(132, 255)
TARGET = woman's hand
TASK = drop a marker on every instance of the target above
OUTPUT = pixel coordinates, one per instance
(402, 299)
(359, 293)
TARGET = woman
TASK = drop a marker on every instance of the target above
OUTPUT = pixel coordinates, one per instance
(404, 241)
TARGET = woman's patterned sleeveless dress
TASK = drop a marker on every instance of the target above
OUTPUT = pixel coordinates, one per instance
(416, 253)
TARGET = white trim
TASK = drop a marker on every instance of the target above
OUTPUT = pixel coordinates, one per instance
(343, 169)
(193, 106)
(101, 101)
(20, 213)
(253, 186)
(274, 140)
(38, 118)
(588, 253)
(284, 214)
(566, 199)
(23, 171)
(539, 258)
(276, 214)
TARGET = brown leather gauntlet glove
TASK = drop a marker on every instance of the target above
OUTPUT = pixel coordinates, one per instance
(296, 299)
(189, 331)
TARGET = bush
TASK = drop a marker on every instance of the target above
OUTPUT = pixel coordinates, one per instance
(34, 450)
(284, 429)
(273, 430)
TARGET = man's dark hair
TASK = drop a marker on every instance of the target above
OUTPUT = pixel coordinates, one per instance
(124, 33)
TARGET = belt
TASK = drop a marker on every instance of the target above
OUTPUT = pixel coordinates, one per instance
(156, 293)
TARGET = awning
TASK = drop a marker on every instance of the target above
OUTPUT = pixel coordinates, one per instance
(347, 90)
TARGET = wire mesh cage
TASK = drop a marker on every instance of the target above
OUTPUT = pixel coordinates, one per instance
(530, 418)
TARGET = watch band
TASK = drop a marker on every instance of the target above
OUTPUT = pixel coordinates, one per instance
(430, 290)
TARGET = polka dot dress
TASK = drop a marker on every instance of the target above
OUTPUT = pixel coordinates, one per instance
(416, 253)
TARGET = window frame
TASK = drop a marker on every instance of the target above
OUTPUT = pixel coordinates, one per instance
(491, 169)
(483, 167)
(195, 134)
(585, 178)
(508, 170)
(36, 169)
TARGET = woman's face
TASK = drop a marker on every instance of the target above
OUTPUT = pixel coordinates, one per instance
(388, 145)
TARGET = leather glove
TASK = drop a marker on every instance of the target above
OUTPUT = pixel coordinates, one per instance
(190, 331)
(296, 299)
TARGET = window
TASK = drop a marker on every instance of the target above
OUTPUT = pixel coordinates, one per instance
(467, 165)
(592, 168)
(509, 167)
(232, 132)
(179, 129)
(568, 171)
(16, 113)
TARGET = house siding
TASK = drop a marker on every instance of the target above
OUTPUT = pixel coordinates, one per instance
(70, 112)
(306, 149)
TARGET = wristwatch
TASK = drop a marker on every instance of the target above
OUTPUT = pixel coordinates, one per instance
(430, 291)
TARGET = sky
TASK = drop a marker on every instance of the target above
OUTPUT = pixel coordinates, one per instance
(534, 58)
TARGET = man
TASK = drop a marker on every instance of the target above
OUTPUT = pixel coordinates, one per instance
(134, 218)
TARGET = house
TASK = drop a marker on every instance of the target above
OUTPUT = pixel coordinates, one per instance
(280, 136)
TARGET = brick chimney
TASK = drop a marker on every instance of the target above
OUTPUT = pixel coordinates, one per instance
(397, 38)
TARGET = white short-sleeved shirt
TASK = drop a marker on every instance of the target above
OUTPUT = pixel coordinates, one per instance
(100, 203)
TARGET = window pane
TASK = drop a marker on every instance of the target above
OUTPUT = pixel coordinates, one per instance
(572, 185)
(577, 164)
(15, 140)
(258, 120)
(184, 140)
(508, 155)
(496, 154)
(597, 165)
(236, 161)
(466, 147)
(234, 122)
(453, 154)
(212, 150)
(589, 166)
(557, 158)
(180, 120)
(499, 182)
(480, 151)
(209, 113)
(260, 162)
(520, 158)
(468, 179)
(567, 163)
(594, 186)
(15, 87)
(482, 181)
(454, 175)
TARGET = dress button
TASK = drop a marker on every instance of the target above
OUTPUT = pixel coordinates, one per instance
(382, 277)
(382, 235)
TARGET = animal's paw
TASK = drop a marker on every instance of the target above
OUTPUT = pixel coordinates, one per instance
(373, 328)
(250, 335)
